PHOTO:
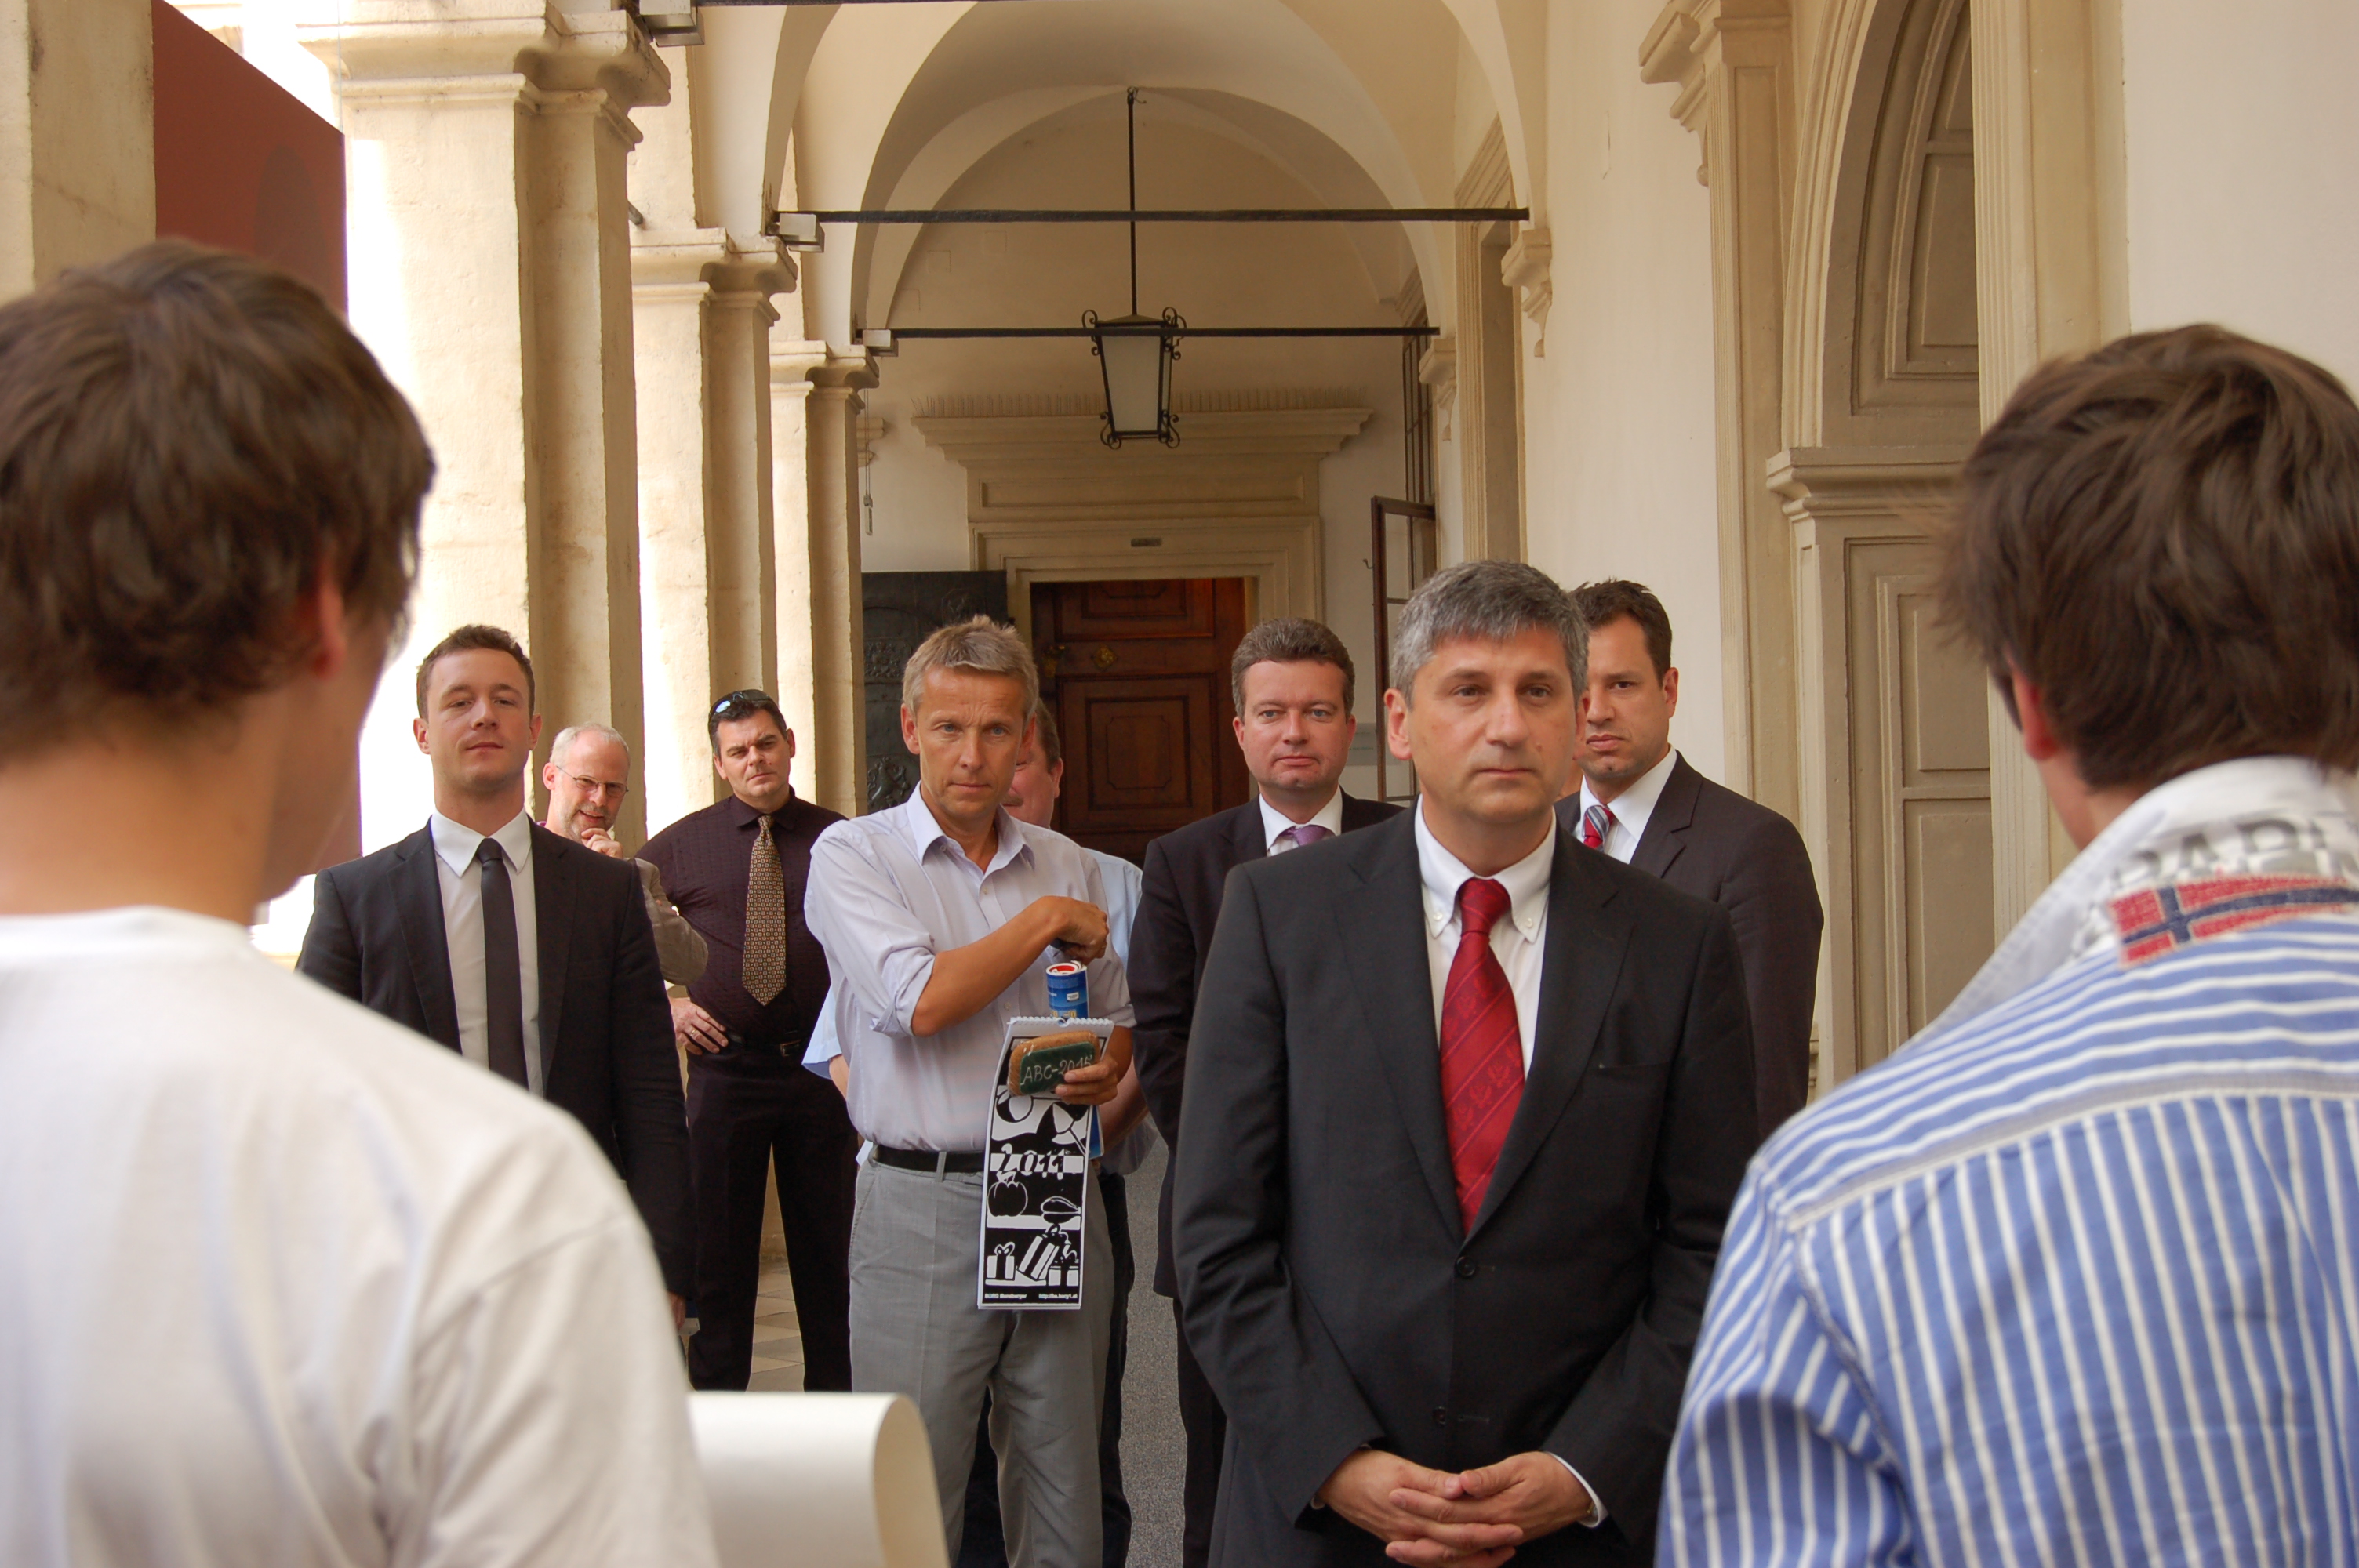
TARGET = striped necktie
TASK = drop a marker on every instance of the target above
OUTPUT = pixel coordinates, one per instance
(1596, 823)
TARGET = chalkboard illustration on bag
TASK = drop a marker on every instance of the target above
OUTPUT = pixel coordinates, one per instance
(1036, 1185)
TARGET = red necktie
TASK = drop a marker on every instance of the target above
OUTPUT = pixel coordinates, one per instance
(1594, 824)
(1482, 1049)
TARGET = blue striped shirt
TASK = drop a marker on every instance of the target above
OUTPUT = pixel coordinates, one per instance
(2074, 1281)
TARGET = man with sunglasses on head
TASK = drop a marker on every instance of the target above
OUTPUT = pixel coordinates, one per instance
(588, 774)
(736, 870)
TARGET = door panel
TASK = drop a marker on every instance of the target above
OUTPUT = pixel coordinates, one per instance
(1138, 674)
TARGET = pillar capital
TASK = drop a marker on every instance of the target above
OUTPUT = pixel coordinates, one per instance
(791, 362)
(710, 261)
(403, 47)
(844, 374)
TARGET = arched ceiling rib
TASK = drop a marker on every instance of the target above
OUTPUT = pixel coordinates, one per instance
(1325, 170)
(884, 85)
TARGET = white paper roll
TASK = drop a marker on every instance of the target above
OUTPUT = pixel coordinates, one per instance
(843, 1480)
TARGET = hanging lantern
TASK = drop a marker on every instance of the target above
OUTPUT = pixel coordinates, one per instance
(1136, 353)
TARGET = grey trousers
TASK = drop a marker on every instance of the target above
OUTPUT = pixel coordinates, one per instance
(916, 1331)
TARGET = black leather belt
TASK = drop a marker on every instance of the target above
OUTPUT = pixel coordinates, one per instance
(790, 1048)
(934, 1162)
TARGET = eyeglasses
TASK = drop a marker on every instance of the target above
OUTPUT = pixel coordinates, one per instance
(596, 786)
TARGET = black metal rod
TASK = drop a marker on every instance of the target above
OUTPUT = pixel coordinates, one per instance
(890, 216)
(913, 334)
(1131, 110)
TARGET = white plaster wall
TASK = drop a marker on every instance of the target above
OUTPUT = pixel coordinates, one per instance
(1618, 458)
(2242, 154)
(961, 276)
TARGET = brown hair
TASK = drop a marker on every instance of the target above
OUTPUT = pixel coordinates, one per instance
(1051, 745)
(1602, 603)
(489, 639)
(2163, 538)
(189, 441)
(1289, 641)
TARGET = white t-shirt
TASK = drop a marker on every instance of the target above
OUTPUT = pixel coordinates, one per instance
(282, 1282)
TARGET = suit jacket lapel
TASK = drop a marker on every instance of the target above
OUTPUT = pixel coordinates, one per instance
(1674, 814)
(553, 904)
(1384, 934)
(1586, 941)
(417, 895)
(1247, 839)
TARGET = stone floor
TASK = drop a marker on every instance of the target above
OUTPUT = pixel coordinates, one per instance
(1154, 1448)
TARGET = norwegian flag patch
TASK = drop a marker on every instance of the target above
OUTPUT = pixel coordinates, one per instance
(2159, 920)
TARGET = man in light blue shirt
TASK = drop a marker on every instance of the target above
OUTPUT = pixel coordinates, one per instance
(940, 918)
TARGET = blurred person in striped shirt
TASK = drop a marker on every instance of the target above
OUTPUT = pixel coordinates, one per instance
(2073, 1278)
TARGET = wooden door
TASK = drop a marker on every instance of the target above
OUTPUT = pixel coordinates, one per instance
(1138, 674)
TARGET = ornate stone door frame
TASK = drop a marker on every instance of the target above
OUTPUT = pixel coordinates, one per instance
(1047, 501)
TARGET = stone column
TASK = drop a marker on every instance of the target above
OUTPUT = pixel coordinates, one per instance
(77, 135)
(791, 362)
(1733, 62)
(487, 229)
(836, 748)
(705, 548)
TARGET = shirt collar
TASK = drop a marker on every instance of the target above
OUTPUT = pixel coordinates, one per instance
(455, 846)
(1634, 806)
(1442, 873)
(1274, 822)
(918, 824)
(744, 815)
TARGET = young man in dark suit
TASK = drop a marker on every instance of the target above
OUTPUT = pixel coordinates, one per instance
(1467, 1108)
(527, 953)
(1291, 681)
(1641, 802)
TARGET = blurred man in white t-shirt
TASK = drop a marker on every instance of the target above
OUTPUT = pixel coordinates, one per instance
(282, 1282)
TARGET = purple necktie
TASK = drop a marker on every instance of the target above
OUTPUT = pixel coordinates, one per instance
(1297, 837)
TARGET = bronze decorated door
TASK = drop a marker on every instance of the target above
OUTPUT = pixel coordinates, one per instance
(1137, 674)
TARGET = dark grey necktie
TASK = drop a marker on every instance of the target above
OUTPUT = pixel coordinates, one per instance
(502, 972)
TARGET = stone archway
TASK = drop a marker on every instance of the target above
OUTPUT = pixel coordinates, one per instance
(1881, 403)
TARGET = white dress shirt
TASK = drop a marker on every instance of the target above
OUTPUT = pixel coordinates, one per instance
(1520, 941)
(889, 890)
(1274, 822)
(1633, 808)
(283, 1282)
(463, 932)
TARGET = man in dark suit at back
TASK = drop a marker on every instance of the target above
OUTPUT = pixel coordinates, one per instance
(527, 953)
(1467, 1107)
(1291, 681)
(1641, 802)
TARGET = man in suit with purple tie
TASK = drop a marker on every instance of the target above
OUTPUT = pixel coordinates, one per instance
(1291, 681)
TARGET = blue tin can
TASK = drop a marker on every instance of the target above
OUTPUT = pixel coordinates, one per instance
(1069, 989)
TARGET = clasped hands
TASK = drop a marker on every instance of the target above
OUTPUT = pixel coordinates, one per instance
(1442, 1519)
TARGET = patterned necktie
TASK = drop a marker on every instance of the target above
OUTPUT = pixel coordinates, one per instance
(1297, 837)
(1481, 1047)
(764, 969)
(502, 970)
(1596, 823)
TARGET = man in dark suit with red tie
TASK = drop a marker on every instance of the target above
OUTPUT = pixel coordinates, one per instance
(1291, 681)
(1467, 1107)
(522, 950)
(1640, 802)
